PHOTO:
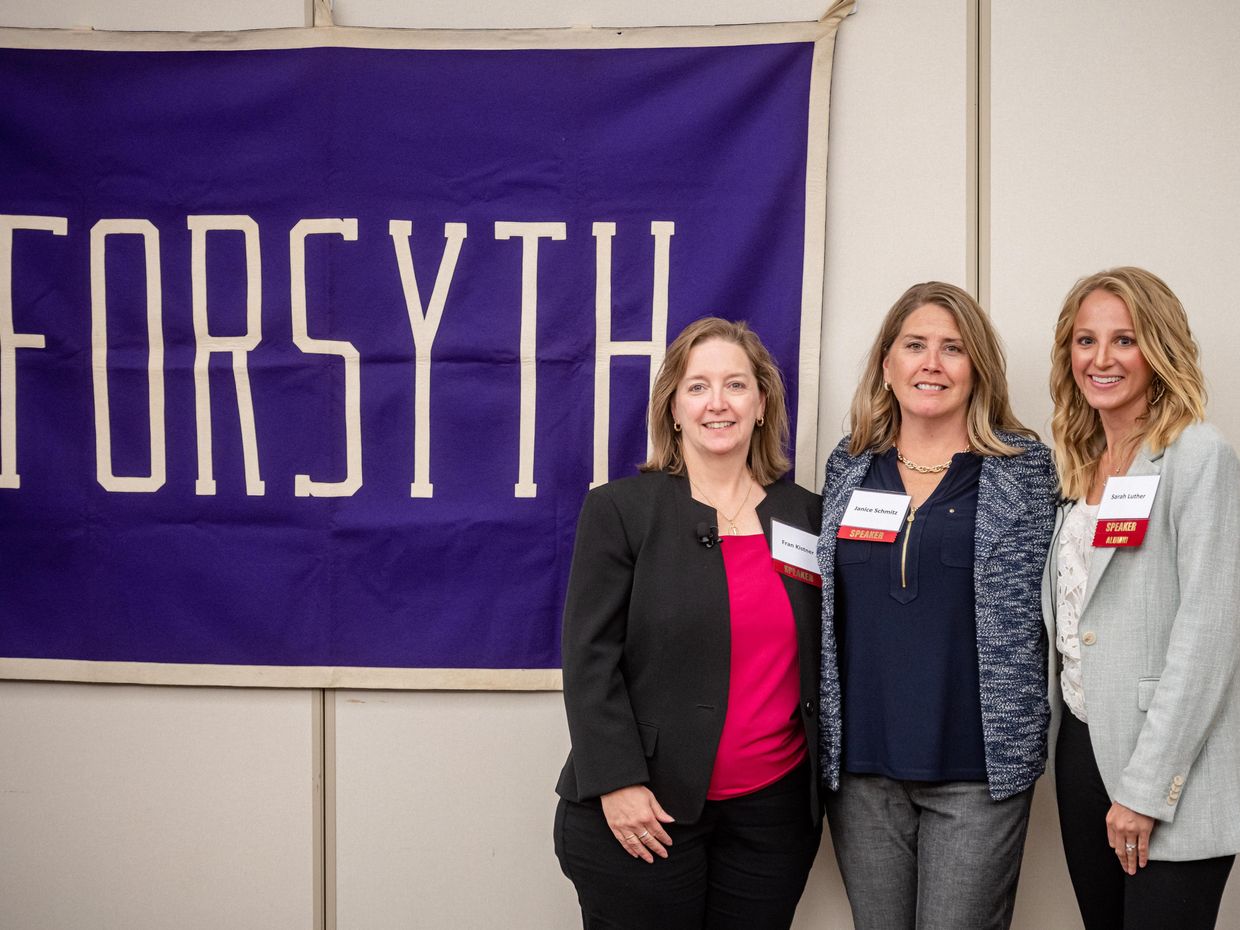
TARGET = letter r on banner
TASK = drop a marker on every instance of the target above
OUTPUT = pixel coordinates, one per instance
(238, 347)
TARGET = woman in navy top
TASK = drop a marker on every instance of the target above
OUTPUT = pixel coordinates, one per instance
(934, 713)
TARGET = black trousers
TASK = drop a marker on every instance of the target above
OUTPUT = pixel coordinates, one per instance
(1179, 895)
(742, 866)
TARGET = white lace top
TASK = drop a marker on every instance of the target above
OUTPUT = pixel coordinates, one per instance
(1074, 556)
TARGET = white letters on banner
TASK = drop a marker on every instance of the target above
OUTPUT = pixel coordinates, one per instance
(99, 354)
(238, 346)
(10, 341)
(424, 326)
(529, 234)
(424, 320)
(304, 485)
(605, 348)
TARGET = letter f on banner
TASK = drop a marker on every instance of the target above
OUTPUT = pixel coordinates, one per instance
(10, 341)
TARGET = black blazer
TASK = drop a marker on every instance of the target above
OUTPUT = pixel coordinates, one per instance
(647, 641)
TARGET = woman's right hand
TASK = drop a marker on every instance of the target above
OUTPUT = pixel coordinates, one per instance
(636, 821)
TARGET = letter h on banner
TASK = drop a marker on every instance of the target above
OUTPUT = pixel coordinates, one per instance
(606, 348)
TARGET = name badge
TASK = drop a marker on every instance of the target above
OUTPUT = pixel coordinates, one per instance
(1124, 511)
(795, 553)
(874, 516)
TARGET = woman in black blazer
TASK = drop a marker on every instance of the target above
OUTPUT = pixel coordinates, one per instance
(691, 661)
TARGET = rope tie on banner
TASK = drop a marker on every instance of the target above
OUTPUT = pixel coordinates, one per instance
(837, 9)
(323, 13)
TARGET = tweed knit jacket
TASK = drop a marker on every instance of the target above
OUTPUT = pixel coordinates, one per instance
(1015, 518)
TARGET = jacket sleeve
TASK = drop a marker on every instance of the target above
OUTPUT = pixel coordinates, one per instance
(1203, 652)
(606, 745)
(1012, 634)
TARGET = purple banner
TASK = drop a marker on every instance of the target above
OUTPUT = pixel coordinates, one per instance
(305, 354)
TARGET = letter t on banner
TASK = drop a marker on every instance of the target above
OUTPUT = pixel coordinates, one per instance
(605, 348)
(529, 234)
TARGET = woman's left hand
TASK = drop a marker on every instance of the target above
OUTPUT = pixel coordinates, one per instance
(1129, 835)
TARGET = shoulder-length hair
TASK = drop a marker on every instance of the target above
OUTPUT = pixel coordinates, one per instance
(1177, 393)
(875, 414)
(768, 457)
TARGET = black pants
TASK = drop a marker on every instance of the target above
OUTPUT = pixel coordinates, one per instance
(742, 866)
(1179, 895)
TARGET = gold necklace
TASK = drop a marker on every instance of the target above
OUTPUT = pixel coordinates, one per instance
(926, 469)
(731, 521)
(1116, 469)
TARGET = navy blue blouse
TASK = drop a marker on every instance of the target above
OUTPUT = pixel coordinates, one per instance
(907, 640)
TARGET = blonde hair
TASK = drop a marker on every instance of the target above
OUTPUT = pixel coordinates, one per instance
(768, 458)
(875, 413)
(1177, 392)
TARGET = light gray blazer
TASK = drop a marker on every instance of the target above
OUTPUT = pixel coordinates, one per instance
(1160, 652)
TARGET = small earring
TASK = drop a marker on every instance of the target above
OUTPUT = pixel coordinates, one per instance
(886, 386)
(760, 421)
(676, 426)
(1160, 389)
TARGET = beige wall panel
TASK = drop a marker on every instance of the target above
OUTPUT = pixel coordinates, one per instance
(1114, 141)
(132, 808)
(444, 809)
(897, 195)
(443, 815)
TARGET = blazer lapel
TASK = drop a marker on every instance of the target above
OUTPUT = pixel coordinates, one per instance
(1143, 464)
(1050, 572)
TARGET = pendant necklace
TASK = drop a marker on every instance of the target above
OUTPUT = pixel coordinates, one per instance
(731, 521)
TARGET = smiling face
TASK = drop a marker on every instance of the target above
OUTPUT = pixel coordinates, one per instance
(717, 401)
(1107, 364)
(928, 368)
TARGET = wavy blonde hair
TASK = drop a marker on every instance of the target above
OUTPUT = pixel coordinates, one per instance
(1177, 393)
(874, 418)
(768, 457)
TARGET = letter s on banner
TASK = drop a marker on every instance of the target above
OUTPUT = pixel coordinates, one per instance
(303, 485)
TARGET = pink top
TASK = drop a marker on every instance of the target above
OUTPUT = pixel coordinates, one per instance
(763, 739)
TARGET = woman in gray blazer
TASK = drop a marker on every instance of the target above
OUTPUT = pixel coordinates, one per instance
(1147, 636)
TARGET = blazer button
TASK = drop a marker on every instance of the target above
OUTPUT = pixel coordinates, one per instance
(1177, 780)
(1088, 638)
(809, 708)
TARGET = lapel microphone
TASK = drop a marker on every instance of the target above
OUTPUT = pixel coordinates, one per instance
(707, 535)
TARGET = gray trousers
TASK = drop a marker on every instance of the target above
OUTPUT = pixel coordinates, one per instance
(927, 855)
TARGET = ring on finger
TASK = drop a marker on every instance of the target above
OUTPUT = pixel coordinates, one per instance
(1130, 846)
(643, 834)
(631, 836)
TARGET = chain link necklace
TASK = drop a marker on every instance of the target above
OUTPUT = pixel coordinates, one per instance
(926, 469)
(731, 521)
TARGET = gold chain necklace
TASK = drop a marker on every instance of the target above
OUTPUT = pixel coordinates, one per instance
(1114, 467)
(925, 469)
(731, 521)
